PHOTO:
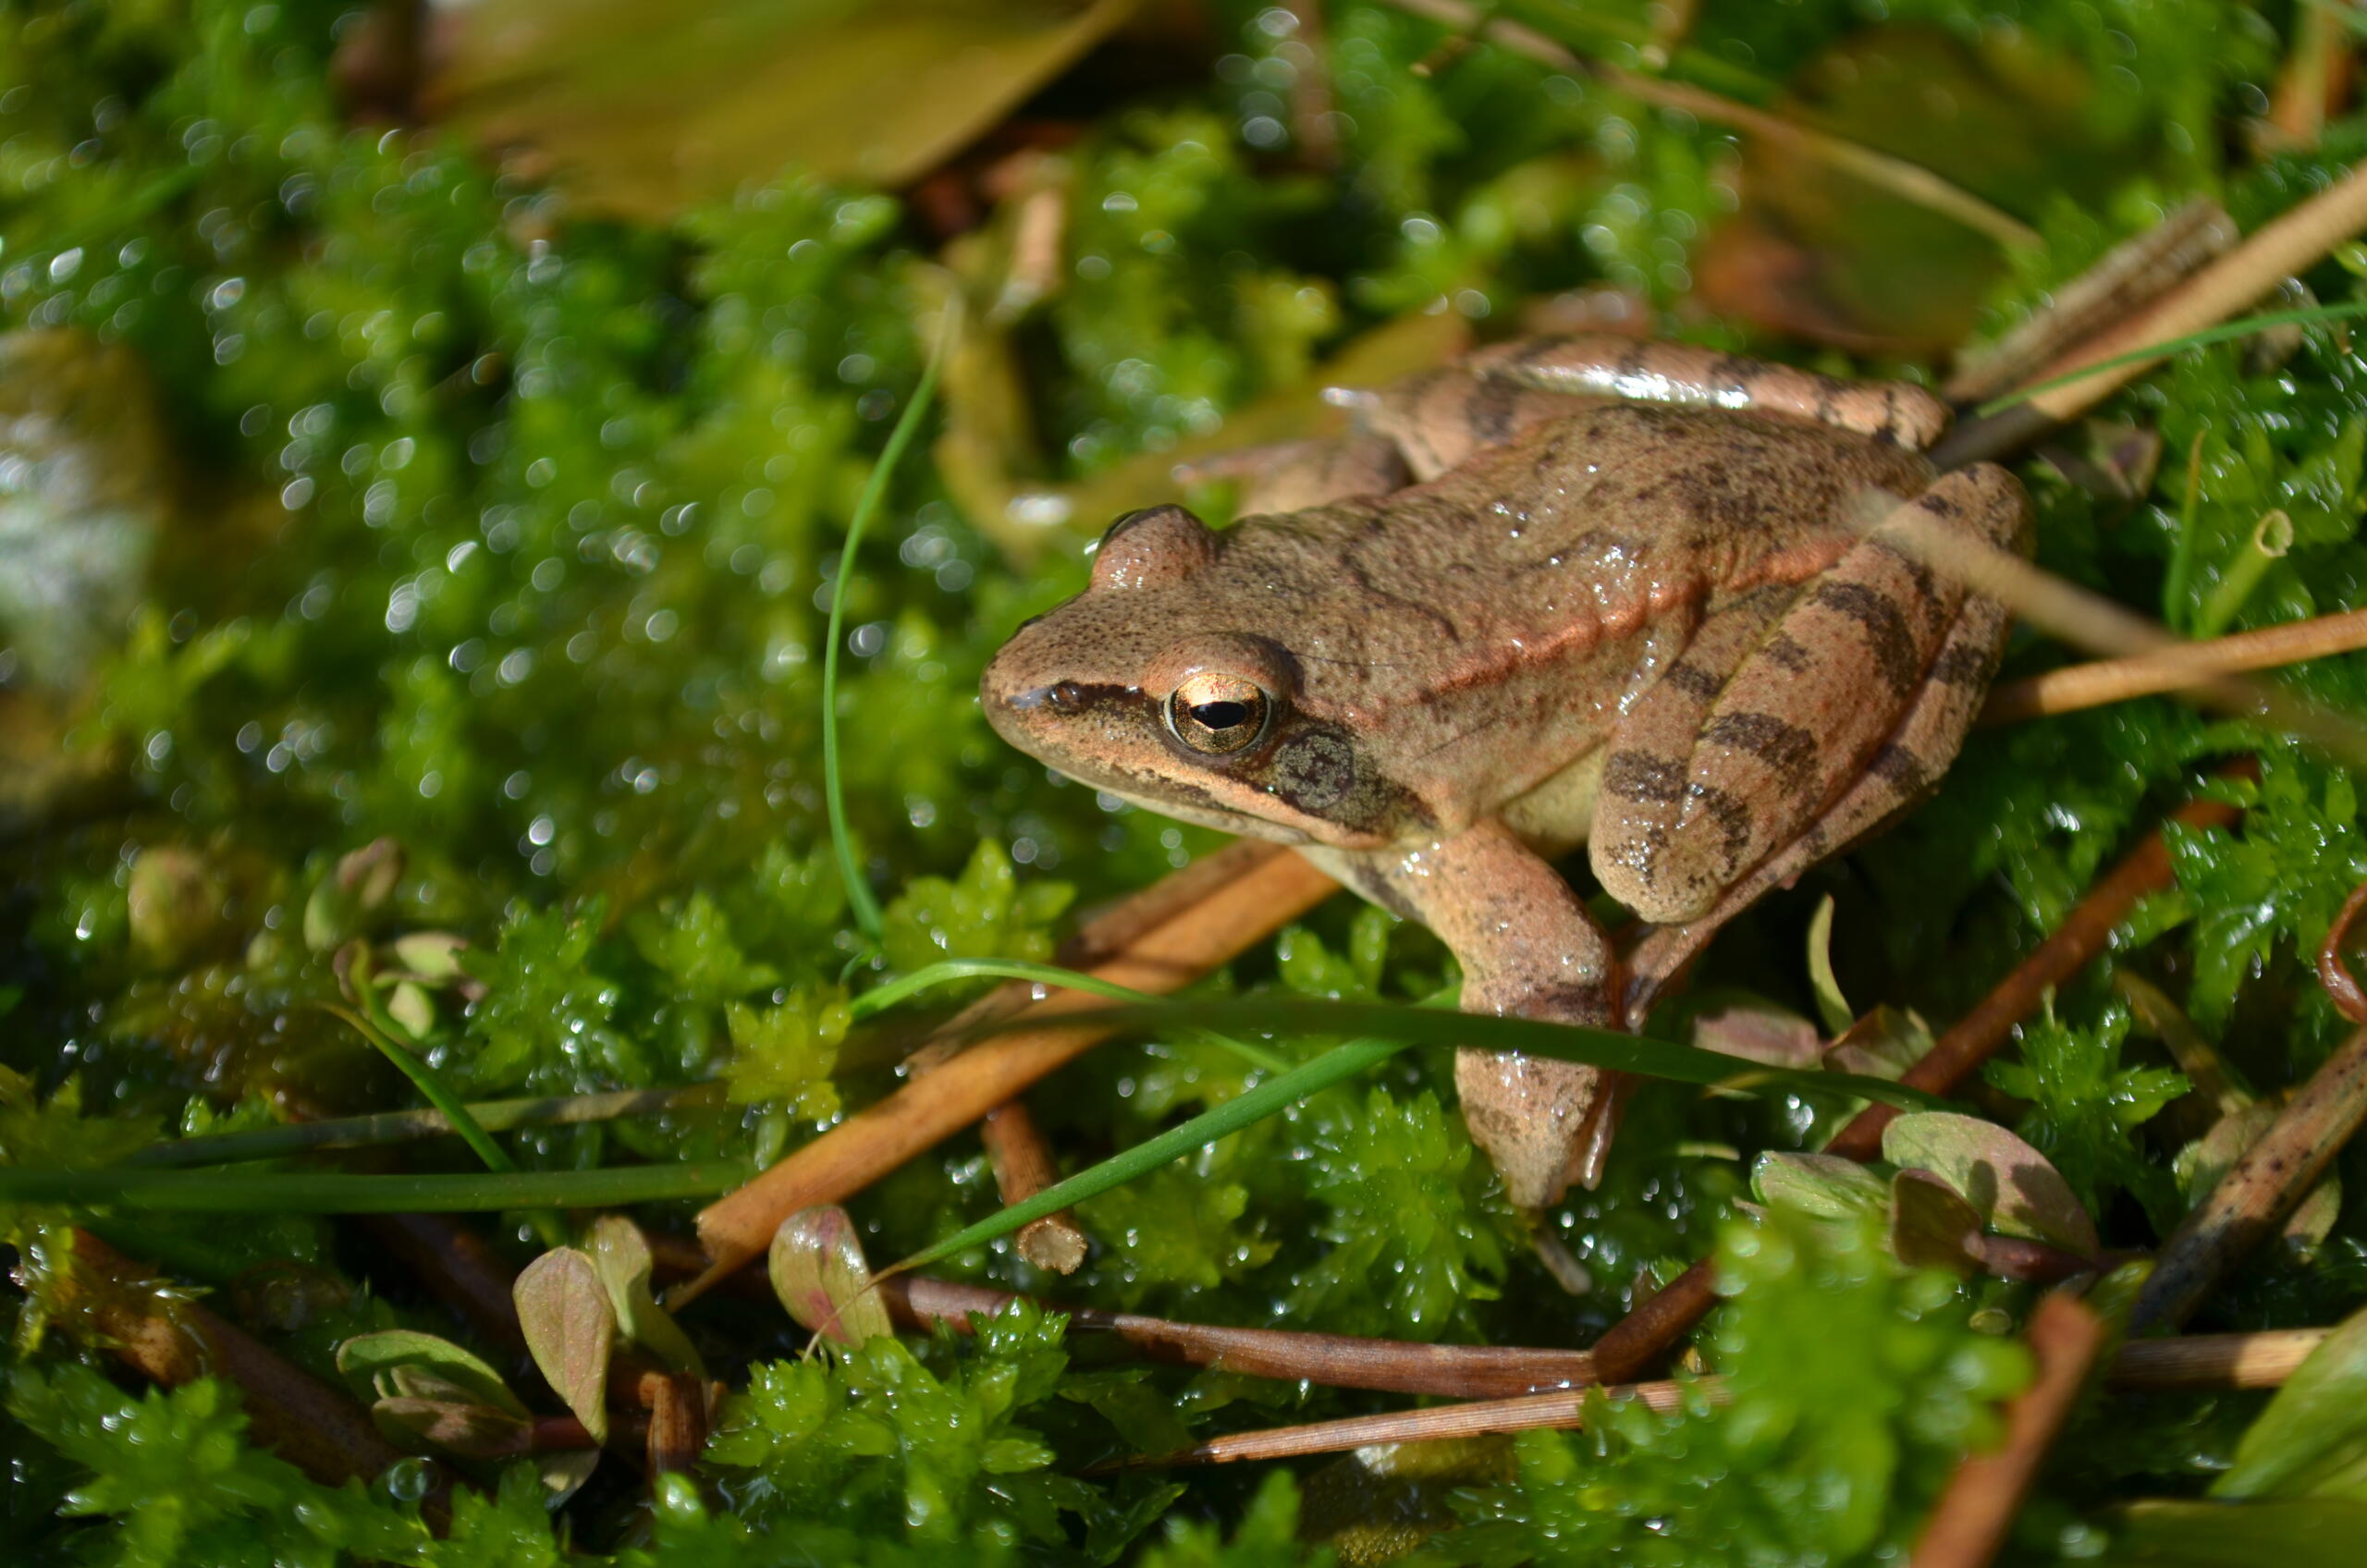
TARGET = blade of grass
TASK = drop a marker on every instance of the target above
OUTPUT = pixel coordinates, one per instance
(307, 1191)
(1399, 1027)
(1273, 1095)
(1427, 1025)
(953, 969)
(431, 1085)
(403, 1126)
(860, 898)
(2226, 332)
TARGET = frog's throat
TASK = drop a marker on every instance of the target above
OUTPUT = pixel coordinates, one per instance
(1240, 823)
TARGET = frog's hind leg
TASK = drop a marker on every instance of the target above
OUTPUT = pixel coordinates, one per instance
(1907, 761)
(1603, 365)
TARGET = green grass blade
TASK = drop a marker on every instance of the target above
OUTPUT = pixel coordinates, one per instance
(1399, 1027)
(1273, 1095)
(861, 901)
(1563, 1042)
(2223, 333)
(403, 1126)
(953, 969)
(431, 1085)
(307, 1191)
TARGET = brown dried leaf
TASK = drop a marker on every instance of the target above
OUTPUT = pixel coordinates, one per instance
(569, 1328)
(2009, 1185)
(819, 1273)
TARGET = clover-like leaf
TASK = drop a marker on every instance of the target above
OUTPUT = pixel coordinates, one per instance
(622, 1254)
(819, 1273)
(1823, 1186)
(2010, 1184)
(400, 1363)
(461, 1428)
(1931, 1225)
(570, 1327)
(1883, 1044)
(1757, 1030)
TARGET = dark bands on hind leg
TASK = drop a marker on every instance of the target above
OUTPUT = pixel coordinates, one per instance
(1908, 762)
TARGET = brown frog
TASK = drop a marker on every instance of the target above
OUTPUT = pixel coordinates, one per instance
(1573, 590)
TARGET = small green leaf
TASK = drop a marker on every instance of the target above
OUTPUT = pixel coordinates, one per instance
(410, 1005)
(622, 1256)
(1823, 1186)
(1883, 1044)
(371, 1362)
(819, 1273)
(1831, 1005)
(432, 958)
(2311, 1440)
(2184, 1533)
(569, 1329)
(358, 884)
(2009, 1185)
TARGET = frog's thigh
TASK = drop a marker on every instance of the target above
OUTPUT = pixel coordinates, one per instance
(1803, 715)
(1642, 795)
(1907, 764)
(1605, 365)
(1293, 475)
(1440, 418)
(1528, 948)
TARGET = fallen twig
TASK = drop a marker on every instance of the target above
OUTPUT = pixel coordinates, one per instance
(1885, 171)
(459, 1267)
(2293, 242)
(676, 1405)
(2174, 668)
(2194, 1363)
(739, 1226)
(1023, 1168)
(172, 1342)
(1641, 1337)
(1974, 1513)
(2137, 270)
(2087, 619)
(1334, 1360)
(2252, 1200)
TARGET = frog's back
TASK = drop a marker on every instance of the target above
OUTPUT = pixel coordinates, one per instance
(1529, 578)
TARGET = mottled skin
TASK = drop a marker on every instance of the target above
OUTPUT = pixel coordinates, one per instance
(1573, 590)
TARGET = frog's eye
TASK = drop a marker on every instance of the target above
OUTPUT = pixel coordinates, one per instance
(1217, 714)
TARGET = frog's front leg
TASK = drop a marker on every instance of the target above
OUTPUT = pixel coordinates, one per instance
(1528, 948)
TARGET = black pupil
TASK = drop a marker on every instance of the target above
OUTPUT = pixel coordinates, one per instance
(1221, 715)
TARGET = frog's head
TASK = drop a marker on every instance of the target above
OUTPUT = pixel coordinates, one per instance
(1148, 685)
